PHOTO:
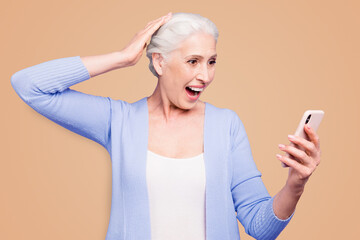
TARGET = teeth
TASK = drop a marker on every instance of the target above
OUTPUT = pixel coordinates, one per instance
(196, 89)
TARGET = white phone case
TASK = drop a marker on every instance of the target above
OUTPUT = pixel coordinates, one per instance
(313, 117)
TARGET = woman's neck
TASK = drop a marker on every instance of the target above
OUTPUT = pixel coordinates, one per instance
(160, 105)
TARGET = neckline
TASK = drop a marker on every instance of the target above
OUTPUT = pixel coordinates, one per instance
(170, 158)
(145, 99)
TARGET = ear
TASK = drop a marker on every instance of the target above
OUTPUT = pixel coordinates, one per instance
(158, 62)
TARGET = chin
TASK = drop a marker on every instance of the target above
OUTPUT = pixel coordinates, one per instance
(184, 104)
(188, 106)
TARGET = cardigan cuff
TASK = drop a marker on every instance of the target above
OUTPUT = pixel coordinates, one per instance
(58, 74)
(274, 225)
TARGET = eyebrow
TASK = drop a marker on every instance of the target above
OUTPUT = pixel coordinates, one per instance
(199, 56)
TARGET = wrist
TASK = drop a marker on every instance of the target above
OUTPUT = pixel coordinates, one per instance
(296, 190)
(121, 59)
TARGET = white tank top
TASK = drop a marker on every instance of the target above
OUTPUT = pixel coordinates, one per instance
(176, 188)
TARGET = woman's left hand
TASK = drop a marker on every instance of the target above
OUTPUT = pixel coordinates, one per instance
(302, 163)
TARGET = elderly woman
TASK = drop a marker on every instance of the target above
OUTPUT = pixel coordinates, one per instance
(182, 168)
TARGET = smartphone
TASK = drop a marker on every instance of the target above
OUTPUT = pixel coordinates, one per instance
(313, 118)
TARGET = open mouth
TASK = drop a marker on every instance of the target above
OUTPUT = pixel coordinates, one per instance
(193, 92)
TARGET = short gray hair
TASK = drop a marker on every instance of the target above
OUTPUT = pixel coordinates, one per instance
(178, 28)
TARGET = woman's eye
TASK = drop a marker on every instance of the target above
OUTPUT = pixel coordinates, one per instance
(212, 62)
(192, 61)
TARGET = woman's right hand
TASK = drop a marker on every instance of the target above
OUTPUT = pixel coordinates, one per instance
(133, 51)
(128, 56)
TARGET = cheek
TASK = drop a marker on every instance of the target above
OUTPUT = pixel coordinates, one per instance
(189, 73)
(183, 76)
(187, 76)
(177, 71)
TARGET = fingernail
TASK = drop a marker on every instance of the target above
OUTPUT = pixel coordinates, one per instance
(291, 136)
(307, 126)
(278, 156)
(281, 146)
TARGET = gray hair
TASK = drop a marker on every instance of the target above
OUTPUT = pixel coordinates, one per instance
(178, 28)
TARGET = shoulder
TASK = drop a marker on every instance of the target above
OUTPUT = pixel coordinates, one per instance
(226, 120)
(223, 114)
(119, 108)
(124, 105)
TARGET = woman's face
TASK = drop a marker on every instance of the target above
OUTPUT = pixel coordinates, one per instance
(191, 64)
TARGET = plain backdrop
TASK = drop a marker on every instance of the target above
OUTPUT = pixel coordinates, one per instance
(276, 59)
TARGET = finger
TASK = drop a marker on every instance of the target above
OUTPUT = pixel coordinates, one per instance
(301, 171)
(158, 19)
(314, 138)
(153, 21)
(309, 147)
(290, 162)
(154, 26)
(296, 153)
(164, 18)
(149, 30)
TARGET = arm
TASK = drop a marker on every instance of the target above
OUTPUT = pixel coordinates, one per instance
(45, 87)
(301, 166)
(252, 202)
(129, 56)
(100, 64)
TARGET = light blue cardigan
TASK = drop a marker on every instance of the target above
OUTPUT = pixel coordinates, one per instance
(234, 189)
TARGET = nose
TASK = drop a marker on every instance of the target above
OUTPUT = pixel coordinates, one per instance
(203, 74)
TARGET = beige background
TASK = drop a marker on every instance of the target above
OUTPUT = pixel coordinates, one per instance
(276, 59)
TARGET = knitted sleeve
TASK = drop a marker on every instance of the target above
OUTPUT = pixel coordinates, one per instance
(45, 88)
(252, 202)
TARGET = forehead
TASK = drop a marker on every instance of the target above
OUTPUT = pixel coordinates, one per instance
(202, 44)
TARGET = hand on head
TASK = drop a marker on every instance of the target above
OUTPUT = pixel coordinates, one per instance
(133, 51)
